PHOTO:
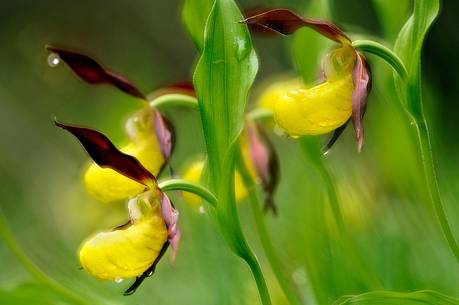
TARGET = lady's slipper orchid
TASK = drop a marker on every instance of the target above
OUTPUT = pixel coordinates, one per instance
(144, 129)
(329, 105)
(133, 249)
(128, 250)
(151, 136)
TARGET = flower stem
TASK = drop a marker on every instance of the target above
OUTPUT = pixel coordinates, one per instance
(347, 243)
(286, 285)
(383, 52)
(174, 99)
(432, 183)
(183, 185)
(32, 269)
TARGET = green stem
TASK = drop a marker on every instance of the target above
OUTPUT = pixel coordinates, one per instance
(230, 225)
(347, 243)
(259, 114)
(174, 99)
(183, 185)
(32, 269)
(259, 279)
(432, 183)
(383, 52)
(276, 265)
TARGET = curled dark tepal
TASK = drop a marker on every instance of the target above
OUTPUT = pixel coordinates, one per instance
(92, 72)
(105, 154)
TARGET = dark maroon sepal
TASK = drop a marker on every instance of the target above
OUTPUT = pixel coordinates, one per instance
(149, 272)
(286, 22)
(335, 136)
(182, 87)
(362, 87)
(266, 163)
(92, 72)
(106, 155)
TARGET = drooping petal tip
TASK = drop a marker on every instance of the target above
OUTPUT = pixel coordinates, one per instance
(171, 216)
(92, 72)
(266, 163)
(105, 154)
(362, 86)
(164, 133)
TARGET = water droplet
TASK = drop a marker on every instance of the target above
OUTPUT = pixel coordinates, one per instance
(202, 210)
(53, 60)
(118, 280)
(242, 50)
(150, 273)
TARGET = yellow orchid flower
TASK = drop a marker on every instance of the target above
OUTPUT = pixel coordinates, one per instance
(107, 185)
(330, 105)
(275, 90)
(129, 250)
(133, 249)
(324, 107)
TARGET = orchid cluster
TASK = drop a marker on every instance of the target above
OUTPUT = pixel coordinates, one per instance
(129, 173)
(240, 154)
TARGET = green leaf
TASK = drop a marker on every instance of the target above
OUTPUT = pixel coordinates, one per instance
(391, 16)
(223, 77)
(194, 16)
(32, 293)
(408, 47)
(424, 297)
(308, 46)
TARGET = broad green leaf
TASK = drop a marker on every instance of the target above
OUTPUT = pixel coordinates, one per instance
(309, 46)
(424, 297)
(222, 79)
(194, 16)
(391, 16)
(409, 47)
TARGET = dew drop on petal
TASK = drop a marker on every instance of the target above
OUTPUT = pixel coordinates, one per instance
(242, 49)
(53, 60)
(118, 280)
(201, 210)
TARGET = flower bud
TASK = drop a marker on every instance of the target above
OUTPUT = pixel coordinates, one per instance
(129, 250)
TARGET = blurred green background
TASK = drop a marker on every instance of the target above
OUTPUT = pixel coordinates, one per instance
(381, 190)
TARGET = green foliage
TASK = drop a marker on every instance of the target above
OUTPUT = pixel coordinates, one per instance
(194, 16)
(222, 79)
(392, 236)
(398, 298)
(308, 46)
(31, 293)
(409, 47)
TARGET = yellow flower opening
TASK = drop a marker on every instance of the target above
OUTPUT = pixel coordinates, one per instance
(129, 250)
(107, 185)
(275, 90)
(324, 107)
